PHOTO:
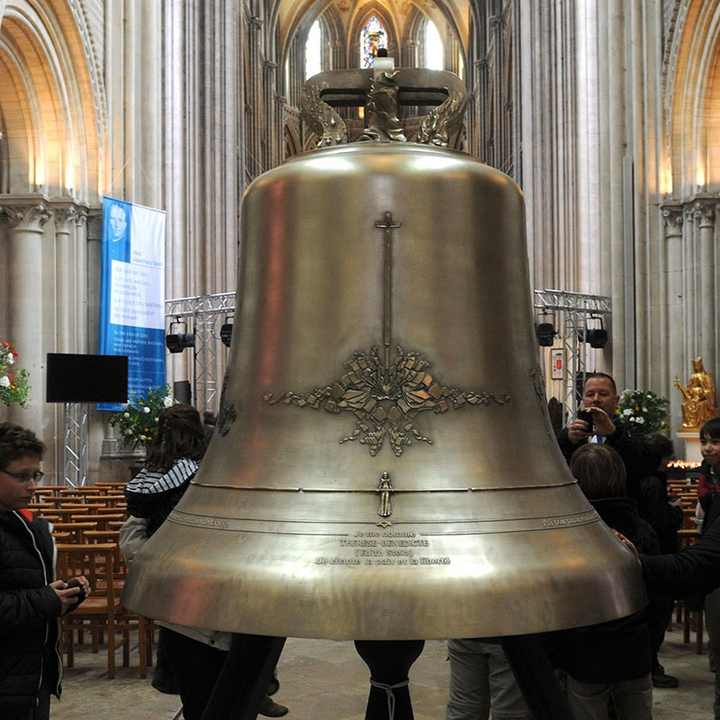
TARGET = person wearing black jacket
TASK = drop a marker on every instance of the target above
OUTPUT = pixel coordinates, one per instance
(696, 570)
(604, 426)
(31, 600)
(612, 660)
(666, 518)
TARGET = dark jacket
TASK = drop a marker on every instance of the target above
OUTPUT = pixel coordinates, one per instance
(29, 612)
(655, 508)
(618, 650)
(629, 448)
(696, 569)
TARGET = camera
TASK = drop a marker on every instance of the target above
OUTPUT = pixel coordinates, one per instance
(587, 416)
(74, 582)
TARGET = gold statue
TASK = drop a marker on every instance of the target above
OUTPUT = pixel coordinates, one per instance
(698, 397)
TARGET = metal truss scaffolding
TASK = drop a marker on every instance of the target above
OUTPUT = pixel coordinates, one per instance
(572, 310)
(75, 444)
(207, 314)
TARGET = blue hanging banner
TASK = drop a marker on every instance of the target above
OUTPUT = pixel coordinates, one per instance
(132, 293)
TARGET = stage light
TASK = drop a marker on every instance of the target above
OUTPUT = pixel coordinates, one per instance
(545, 333)
(597, 337)
(226, 331)
(175, 341)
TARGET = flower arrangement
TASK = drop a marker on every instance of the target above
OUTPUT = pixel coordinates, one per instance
(14, 385)
(643, 412)
(139, 420)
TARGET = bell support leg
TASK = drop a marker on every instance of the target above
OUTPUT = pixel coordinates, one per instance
(389, 662)
(245, 678)
(536, 677)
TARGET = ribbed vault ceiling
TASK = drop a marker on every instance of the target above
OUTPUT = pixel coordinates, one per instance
(289, 13)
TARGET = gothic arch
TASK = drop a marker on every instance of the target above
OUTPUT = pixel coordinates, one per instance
(47, 102)
(693, 83)
(358, 20)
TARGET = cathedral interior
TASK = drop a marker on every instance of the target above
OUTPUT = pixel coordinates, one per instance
(605, 113)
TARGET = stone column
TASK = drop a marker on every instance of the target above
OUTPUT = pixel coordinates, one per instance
(673, 216)
(705, 209)
(27, 216)
(71, 269)
(338, 57)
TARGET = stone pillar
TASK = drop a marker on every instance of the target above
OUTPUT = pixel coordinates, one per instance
(71, 270)
(673, 216)
(26, 216)
(705, 209)
(338, 57)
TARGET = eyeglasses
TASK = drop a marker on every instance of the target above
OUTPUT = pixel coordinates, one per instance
(26, 477)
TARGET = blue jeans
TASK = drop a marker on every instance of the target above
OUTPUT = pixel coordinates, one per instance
(632, 699)
(481, 679)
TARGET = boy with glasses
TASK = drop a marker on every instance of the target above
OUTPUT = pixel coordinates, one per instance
(31, 600)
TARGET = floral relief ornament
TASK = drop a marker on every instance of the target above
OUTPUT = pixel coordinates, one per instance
(14, 383)
(387, 398)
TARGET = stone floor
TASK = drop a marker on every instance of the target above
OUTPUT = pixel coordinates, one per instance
(324, 680)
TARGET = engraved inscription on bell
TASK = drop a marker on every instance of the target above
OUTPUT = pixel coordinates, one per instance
(401, 548)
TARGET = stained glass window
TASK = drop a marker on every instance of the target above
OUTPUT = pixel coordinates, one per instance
(434, 50)
(372, 37)
(313, 51)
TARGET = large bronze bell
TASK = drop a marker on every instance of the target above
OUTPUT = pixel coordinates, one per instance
(384, 467)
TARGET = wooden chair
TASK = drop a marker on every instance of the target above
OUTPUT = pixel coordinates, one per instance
(116, 510)
(70, 512)
(101, 609)
(74, 530)
(101, 520)
(102, 613)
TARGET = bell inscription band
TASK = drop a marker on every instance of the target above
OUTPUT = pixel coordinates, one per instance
(459, 516)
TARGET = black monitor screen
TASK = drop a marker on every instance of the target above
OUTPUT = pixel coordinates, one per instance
(87, 378)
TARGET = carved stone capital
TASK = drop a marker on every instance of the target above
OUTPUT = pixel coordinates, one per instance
(704, 210)
(67, 213)
(673, 215)
(25, 212)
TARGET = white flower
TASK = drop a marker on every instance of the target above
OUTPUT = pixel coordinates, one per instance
(4, 381)
(640, 420)
(142, 437)
(128, 432)
(146, 410)
(644, 409)
(10, 359)
(633, 419)
(627, 412)
(127, 415)
(157, 419)
(167, 402)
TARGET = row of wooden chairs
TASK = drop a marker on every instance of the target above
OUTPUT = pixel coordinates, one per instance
(85, 523)
(101, 613)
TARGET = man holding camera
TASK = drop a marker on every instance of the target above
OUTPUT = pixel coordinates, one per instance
(31, 601)
(598, 421)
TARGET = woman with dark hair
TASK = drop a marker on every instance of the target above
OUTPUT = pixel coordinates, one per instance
(172, 460)
(190, 658)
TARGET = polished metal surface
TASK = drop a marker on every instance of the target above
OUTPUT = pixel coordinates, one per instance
(384, 467)
(382, 93)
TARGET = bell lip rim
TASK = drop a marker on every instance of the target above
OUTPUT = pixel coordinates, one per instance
(464, 632)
